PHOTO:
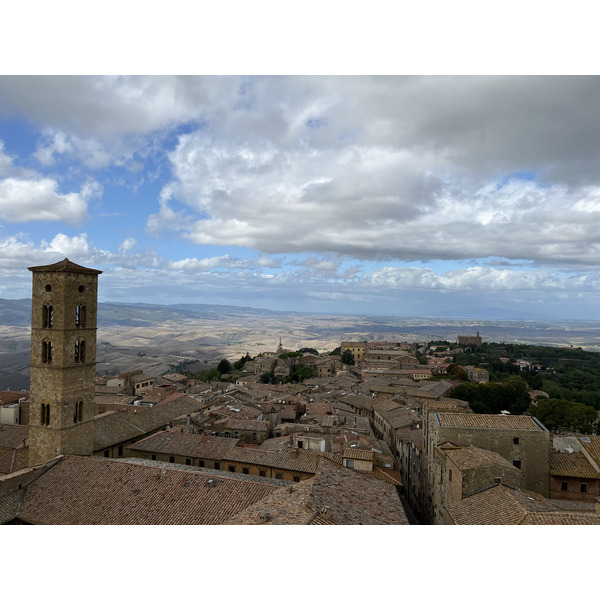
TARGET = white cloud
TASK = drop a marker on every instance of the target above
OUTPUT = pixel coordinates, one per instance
(127, 245)
(23, 200)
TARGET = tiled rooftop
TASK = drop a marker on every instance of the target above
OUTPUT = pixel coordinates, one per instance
(12, 436)
(119, 427)
(12, 460)
(564, 464)
(335, 495)
(562, 518)
(477, 421)
(472, 457)
(592, 447)
(247, 425)
(499, 505)
(186, 444)
(97, 491)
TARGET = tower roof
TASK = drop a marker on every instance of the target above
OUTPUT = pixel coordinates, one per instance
(65, 265)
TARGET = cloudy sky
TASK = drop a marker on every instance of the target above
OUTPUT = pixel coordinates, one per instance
(400, 195)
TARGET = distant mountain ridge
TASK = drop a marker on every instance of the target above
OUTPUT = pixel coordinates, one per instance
(494, 313)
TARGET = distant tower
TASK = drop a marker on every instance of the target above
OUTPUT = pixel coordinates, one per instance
(279, 348)
(63, 360)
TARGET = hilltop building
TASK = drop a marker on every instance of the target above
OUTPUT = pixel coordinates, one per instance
(470, 340)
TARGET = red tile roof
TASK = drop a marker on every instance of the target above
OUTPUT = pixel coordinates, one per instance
(99, 491)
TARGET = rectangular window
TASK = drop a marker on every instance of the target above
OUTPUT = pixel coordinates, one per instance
(517, 463)
(296, 478)
(583, 488)
(450, 475)
(564, 486)
(217, 466)
(188, 461)
(106, 454)
(171, 459)
(200, 463)
(262, 473)
(245, 471)
(278, 475)
(154, 457)
(350, 463)
(232, 468)
(516, 441)
(120, 451)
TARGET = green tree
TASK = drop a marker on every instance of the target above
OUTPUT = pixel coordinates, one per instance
(303, 372)
(558, 413)
(224, 367)
(347, 357)
(309, 351)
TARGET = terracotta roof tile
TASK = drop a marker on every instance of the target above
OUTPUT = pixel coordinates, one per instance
(99, 491)
(471, 457)
(13, 436)
(564, 464)
(335, 495)
(499, 505)
(477, 421)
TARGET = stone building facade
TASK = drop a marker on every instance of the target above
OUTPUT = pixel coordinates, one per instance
(521, 440)
(63, 360)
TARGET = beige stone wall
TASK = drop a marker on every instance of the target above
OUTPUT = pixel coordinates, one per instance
(64, 382)
(532, 450)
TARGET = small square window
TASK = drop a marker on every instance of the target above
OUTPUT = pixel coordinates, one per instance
(278, 475)
(106, 454)
(217, 466)
(120, 451)
(232, 468)
(200, 463)
(171, 459)
(516, 441)
(296, 478)
(564, 486)
(262, 473)
(188, 461)
(154, 457)
(584, 488)
(245, 471)
(517, 463)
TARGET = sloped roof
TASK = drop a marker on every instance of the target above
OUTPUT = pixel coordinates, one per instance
(119, 427)
(335, 495)
(480, 421)
(99, 491)
(12, 436)
(186, 444)
(564, 464)
(562, 518)
(471, 457)
(9, 505)
(65, 265)
(498, 505)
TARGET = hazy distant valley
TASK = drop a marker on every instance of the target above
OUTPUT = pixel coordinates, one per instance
(156, 338)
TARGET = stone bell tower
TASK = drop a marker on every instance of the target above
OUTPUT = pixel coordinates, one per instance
(63, 360)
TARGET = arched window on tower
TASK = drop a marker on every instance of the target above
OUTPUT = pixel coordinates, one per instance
(79, 351)
(78, 415)
(80, 315)
(47, 316)
(45, 414)
(47, 352)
